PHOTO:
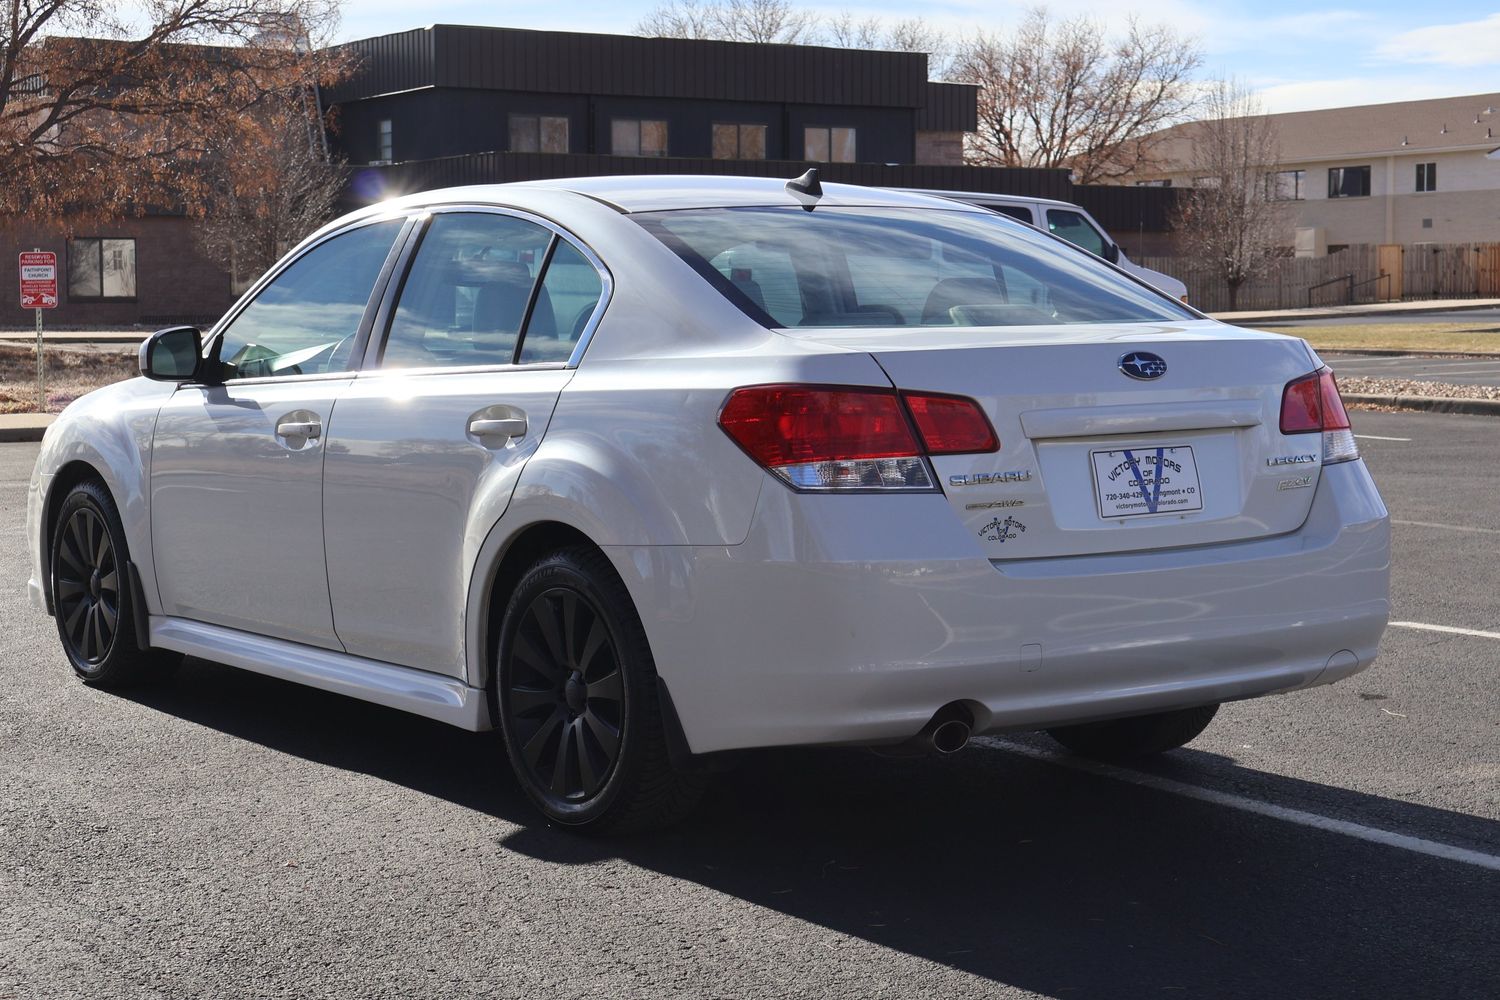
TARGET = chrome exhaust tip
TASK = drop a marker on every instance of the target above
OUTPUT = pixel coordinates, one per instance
(950, 737)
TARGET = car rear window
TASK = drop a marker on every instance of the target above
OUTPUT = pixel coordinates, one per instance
(841, 267)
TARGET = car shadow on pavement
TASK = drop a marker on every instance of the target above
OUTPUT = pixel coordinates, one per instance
(1001, 866)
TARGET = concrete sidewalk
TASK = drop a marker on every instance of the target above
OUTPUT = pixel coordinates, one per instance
(1368, 309)
(108, 338)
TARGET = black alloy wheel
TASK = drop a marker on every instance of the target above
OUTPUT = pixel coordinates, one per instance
(577, 701)
(92, 600)
(566, 695)
(88, 580)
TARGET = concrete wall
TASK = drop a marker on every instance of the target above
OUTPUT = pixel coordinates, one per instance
(941, 148)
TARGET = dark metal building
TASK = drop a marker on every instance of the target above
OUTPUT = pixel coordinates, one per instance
(450, 90)
(449, 105)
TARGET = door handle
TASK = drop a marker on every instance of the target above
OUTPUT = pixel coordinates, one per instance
(309, 429)
(511, 427)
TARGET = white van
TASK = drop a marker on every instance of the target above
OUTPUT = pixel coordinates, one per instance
(1069, 221)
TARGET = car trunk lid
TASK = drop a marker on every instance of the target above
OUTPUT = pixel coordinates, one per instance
(1092, 460)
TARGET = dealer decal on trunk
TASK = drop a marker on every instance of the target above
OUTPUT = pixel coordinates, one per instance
(1001, 531)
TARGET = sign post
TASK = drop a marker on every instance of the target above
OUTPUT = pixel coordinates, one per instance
(39, 291)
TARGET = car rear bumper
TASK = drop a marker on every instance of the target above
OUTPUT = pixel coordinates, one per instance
(852, 619)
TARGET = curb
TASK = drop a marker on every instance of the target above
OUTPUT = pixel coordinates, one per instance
(1430, 404)
(1293, 316)
(30, 428)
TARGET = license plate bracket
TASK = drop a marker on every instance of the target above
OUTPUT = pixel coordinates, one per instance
(1132, 482)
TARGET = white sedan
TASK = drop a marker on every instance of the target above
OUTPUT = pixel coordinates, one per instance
(641, 470)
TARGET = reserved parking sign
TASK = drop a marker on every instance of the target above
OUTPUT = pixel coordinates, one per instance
(39, 280)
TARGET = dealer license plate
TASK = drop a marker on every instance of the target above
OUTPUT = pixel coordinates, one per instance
(1133, 481)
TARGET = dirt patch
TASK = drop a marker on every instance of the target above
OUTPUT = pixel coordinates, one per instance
(1414, 387)
(70, 374)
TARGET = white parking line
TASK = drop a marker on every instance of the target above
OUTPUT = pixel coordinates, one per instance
(1374, 835)
(1448, 527)
(1423, 626)
(1379, 437)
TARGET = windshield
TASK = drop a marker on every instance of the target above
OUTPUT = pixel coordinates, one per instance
(787, 267)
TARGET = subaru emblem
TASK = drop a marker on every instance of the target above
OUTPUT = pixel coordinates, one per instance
(1143, 365)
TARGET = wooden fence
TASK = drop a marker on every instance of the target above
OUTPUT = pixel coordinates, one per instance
(1357, 273)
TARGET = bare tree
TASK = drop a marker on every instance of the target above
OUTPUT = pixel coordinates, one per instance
(265, 196)
(1065, 94)
(117, 121)
(845, 31)
(1233, 219)
(732, 20)
(783, 21)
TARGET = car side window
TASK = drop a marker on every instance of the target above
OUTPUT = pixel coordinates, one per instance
(1074, 228)
(304, 322)
(1018, 212)
(564, 304)
(464, 300)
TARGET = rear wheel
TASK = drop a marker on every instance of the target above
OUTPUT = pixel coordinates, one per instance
(91, 596)
(575, 690)
(1140, 736)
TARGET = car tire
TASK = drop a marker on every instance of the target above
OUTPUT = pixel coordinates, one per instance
(1138, 736)
(92, 600)
(575, 693)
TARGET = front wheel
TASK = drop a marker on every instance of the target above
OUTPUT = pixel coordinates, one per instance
(575, 690)
(1139, 736)
(91, 596)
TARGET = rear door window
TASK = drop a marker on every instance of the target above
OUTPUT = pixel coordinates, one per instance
(467, 292)
(564, 305)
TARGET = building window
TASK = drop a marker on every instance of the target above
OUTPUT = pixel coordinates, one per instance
(538, 134)
(1161, 182)
(824, 144)
(739, 142)
(638, 137)
(101, 269)
(1348, 182)
(1206, 182)
(383, 142)
(1426, 176)
(1286, 185)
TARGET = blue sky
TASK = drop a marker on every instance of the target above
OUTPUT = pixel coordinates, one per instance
(1295, 55)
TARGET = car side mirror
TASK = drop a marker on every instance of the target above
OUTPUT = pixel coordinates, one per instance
(1112, 252)
(172, 355)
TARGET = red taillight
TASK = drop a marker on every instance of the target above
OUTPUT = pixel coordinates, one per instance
(951, 425)
(826, 438)
(1312, 403)
(790, 424)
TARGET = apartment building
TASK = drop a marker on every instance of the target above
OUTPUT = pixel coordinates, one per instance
(1408, 172)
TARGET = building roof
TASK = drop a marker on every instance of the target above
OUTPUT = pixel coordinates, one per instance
(490, 58)
(1445, 123)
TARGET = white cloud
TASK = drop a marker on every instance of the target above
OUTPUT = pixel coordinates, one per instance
(1309, 95)
(1470, 43)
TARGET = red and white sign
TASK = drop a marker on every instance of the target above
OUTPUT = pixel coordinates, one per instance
(39, 280)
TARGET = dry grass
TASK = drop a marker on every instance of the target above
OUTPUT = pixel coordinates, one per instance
(1475, 338)
(70, 374)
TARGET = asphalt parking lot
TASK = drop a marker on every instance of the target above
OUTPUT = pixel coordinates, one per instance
(232, 835)
(1459, 371)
